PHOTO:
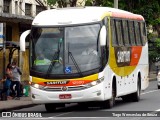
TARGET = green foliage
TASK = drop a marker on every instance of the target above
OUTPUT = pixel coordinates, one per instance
(51, 2)
(154, 54)
(88, 3)
(108, 3)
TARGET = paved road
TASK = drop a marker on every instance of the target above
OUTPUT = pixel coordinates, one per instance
(149, 105)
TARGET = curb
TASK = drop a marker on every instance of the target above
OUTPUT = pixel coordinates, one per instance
(16, 107)
(152, 79)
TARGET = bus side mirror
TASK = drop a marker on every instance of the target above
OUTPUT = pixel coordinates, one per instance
(102, 36)
(23, 39)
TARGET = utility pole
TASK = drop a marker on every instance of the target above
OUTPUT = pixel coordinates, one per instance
(115, 3)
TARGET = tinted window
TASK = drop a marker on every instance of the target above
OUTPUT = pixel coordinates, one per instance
(131, 32)
(119, 32)
(126, 33)
(114, 37)
(137, 33)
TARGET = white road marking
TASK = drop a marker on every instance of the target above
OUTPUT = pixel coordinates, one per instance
(149, 92)
(157, 110)
(62, 114)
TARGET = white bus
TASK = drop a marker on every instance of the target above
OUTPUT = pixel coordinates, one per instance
(90, 54)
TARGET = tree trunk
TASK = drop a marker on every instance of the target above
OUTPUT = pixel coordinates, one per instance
(158, 29)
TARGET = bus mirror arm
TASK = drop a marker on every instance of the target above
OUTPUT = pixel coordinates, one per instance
(22, 39)
(102, 36)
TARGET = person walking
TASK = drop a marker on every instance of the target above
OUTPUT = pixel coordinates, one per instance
(16, 80)
(7, 83)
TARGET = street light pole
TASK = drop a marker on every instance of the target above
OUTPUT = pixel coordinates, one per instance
(115, 3)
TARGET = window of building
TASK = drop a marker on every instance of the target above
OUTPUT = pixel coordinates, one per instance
(28, 9)
(8, 33)
(6, 6)
(20, 8)
(39, 9)
(16, 7)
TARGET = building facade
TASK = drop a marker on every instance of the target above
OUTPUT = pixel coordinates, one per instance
(16, 16)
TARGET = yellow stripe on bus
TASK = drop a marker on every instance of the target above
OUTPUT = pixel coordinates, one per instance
(107, 14)
(39, 80)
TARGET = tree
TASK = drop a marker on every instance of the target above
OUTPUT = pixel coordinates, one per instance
(150, 10)
(108, 3)
(61, 3)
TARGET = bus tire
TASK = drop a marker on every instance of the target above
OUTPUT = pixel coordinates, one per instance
(136, 96)
(111, 102)
(126, 98)
(50, 107)
(83, 106)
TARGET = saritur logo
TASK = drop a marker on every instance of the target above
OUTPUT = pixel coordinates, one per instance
(57, 82)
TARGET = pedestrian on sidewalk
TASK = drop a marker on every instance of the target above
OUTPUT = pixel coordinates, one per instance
(16, 80)
(5, 93)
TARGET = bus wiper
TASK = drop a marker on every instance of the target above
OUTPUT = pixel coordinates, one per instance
(74, 61)
(55, 57)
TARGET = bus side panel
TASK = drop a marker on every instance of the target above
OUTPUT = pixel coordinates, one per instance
(107, 82)
(144, 69)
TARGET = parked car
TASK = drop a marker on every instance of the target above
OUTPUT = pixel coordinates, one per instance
(158, 79)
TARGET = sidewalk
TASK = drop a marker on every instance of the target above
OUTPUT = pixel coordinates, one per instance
(152, 75)
(10, 105)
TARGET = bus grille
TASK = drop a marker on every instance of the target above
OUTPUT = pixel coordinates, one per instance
(68, 88)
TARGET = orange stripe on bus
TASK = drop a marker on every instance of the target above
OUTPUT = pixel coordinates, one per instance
(135, 55)
(71, 83)
(128, 16)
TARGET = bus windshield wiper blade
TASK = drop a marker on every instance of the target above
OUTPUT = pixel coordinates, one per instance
(55, 57)
(75, 63)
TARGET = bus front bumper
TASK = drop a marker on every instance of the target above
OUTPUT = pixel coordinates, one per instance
(94, 93)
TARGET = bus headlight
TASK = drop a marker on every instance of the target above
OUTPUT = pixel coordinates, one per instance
(95, 82)
(38, 86)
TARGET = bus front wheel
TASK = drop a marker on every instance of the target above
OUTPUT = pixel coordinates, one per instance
(50, 107)
(111, 102)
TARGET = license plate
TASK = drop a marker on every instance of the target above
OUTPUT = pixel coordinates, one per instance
(65, 96)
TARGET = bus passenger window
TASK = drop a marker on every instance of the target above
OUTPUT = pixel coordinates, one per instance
(125, 33)
(131, 33)
(137, 33)
(114, 37)
(119, 32)
(143, 32)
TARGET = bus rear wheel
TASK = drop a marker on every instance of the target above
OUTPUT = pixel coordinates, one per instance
(136, 95)
(50, 107)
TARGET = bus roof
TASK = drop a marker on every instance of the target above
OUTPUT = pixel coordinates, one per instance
(79, 15)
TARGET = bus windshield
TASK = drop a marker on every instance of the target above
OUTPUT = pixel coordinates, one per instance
(65, 50)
